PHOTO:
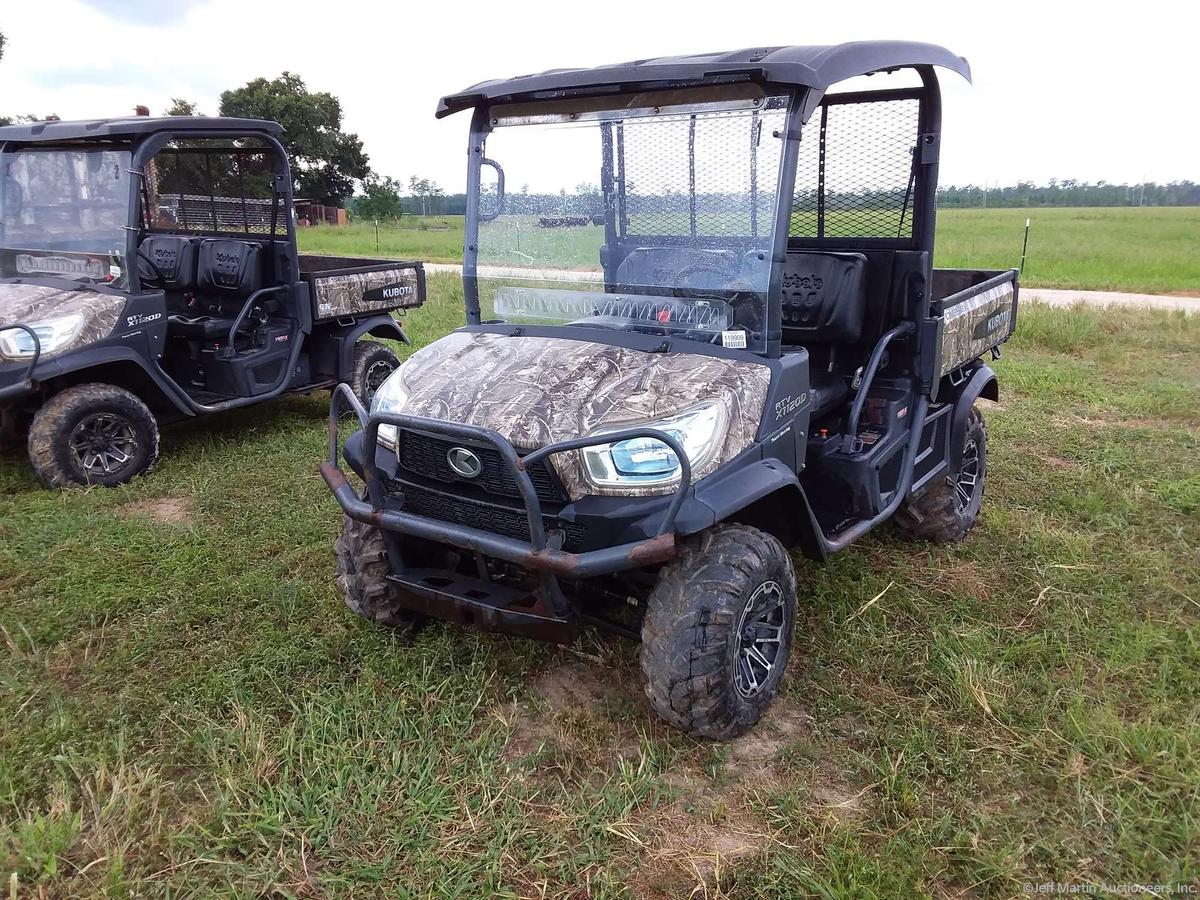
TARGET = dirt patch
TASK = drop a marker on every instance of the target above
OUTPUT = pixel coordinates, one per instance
(576, 685)
(783, 723)
(572, 719)
(164, 510)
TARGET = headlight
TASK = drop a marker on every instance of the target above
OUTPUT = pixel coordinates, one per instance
(53, 334)
(390, 397)
(645, 461)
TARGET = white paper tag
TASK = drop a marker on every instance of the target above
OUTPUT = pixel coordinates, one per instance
(735, 340)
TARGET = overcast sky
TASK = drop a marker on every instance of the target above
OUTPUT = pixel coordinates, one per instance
(1062, 90)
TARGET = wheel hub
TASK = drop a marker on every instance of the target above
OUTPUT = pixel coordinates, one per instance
(376, 374)
(967, 481)
(103, 443)
(759, 639)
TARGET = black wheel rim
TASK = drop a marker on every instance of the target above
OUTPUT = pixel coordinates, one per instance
(373, 379)
(759, 639)
(967, 483)
(103, 444)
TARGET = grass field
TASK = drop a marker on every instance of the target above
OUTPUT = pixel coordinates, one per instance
(188, 708)
(1151, 250)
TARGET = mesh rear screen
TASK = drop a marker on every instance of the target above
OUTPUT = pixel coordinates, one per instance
(854, 177)
(712, 174)
(214, 187)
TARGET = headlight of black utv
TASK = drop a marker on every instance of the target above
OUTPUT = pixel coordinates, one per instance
(650, 463)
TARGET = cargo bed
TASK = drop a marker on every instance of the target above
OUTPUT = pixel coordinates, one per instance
(978, 311)
(343, 286)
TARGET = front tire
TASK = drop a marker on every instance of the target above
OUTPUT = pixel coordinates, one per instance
(92, 434)
(373, 363)
(362, 570)
(947, 511)
(718, 631)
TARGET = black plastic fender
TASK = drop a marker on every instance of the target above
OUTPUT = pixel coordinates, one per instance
(982, 383)
(767, 494)
(378, 326)
(97, 356)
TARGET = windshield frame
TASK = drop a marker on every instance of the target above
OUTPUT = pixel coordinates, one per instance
(126, 247)
(486, 119)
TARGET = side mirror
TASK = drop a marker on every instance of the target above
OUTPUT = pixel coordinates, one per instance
(485, 214)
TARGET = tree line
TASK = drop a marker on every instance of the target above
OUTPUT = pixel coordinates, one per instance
(1070, 192)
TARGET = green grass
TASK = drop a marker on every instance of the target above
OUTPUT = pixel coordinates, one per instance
(188, 709)
(1152, 250)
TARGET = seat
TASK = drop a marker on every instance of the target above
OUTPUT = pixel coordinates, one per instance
(824, 297)
(201, 328)
(228, 269)
(168, 261)
(227, 272)
(824, 306)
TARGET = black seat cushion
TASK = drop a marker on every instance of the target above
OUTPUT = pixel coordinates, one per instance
(229, 268)
(200, 328)
(174, 262)
(828, 391)
(824, 297)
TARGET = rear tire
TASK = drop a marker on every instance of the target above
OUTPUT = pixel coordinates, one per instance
(373, 363)
(947, 511)
(730, 594)
(362, 570)
(92, 434)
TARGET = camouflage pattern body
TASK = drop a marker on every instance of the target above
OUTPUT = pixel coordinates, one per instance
(29, 304)
(975, 325)
(537, 390)
(360, 292)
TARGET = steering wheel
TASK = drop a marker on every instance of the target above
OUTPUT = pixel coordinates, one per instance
(738, 293)
(158, 273)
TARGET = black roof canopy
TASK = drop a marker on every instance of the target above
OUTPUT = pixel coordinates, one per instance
(131, 127)
(816, 67)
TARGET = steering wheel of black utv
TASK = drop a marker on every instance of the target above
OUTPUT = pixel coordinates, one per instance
(739, 295)
(723, 273)
(159, 277)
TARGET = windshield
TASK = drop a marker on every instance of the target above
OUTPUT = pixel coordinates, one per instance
(63, 213)
(657, 217)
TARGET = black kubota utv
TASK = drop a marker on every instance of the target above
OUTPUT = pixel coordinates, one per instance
(148, 269)
(749, 353)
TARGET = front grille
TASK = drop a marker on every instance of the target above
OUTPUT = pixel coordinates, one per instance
(425, 455)
(487, 516)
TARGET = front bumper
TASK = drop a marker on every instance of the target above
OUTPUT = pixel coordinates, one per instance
(535, 554)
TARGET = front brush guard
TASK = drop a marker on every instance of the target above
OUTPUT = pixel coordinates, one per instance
(536, 554)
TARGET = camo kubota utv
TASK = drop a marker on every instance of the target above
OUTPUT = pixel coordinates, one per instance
(148, 270)
(640, 420)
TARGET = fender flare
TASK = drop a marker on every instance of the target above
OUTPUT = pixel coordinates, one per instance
(767, 488)
(982, 383)
(378, 326)
(73, 363)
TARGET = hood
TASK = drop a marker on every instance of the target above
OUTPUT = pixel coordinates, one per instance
(537, 390)
(29, 304)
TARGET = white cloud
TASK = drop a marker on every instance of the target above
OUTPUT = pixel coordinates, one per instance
(1066, 90)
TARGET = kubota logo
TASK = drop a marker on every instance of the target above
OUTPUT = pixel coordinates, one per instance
(464, 462)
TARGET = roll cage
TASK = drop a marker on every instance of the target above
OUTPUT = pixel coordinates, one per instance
(823, 216)
(146, 137)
